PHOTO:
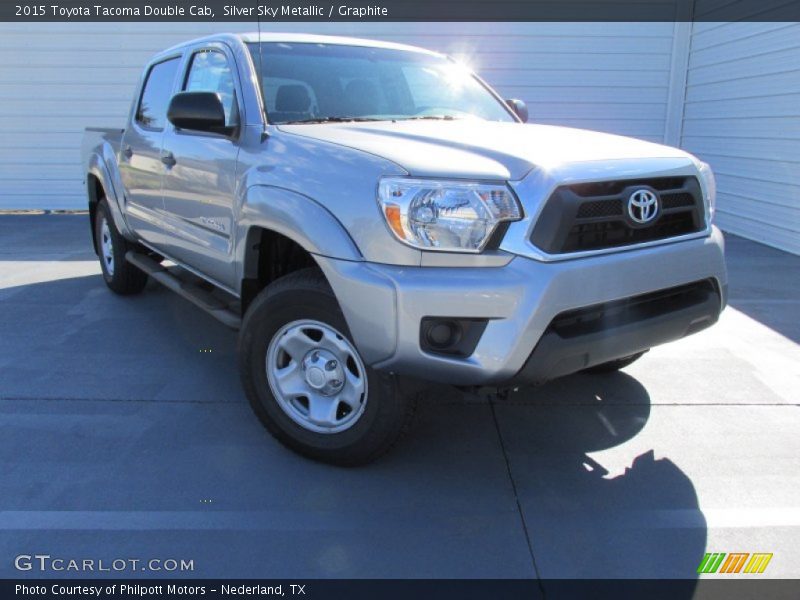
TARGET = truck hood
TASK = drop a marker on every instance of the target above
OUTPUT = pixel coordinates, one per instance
(480, 149)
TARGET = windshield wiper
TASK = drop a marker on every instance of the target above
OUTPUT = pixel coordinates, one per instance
(429, 117)
(331, 120)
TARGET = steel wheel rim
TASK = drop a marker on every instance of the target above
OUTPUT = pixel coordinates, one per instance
(106, 247)
(316, 376)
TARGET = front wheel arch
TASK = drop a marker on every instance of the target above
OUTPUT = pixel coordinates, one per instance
(295, 216)
(268, 256)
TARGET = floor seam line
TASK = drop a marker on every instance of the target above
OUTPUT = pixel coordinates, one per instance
(119, 400)
(604, 404)
(520, 512)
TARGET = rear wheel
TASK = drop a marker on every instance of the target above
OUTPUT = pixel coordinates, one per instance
(120, 276)
(615, 365)
(306, 380)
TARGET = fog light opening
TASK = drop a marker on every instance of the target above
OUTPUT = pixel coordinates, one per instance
(444, 334)
(451, 336)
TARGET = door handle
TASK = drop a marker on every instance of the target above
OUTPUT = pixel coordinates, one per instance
(127, 152)
(168, 158)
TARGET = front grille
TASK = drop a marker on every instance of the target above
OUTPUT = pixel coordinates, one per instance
(600, 208)
(676, 200)
(611, 188)
(593, 216)
(609, 234)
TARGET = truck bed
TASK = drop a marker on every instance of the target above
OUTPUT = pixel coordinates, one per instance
(103, 140)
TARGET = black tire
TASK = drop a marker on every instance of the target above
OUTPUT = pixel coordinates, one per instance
(387, 413)
(614, 365)
(124, 279)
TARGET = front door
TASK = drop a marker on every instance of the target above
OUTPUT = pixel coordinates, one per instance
(140, 160)
(200, 182)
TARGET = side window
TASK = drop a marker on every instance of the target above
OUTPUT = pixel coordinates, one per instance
(210, 72)
(152, 109)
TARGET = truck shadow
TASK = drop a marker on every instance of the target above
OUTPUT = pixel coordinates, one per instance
(596, 501)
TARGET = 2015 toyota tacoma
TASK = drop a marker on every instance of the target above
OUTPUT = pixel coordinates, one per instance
(367, 212)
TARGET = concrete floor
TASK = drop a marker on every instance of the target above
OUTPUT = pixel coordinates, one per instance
(120, 437)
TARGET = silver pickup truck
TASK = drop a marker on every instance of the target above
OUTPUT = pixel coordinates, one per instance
(372, 216)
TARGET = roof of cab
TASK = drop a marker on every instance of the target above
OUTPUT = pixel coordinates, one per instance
(296, 38)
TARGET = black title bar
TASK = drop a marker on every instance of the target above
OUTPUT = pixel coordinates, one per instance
(268, 11)
(399, 589)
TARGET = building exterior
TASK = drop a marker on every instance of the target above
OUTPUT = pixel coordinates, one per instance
(728, 92)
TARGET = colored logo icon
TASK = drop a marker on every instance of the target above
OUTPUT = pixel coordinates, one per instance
(735, 562)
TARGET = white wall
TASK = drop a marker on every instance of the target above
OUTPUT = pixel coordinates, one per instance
(727, 92)
(57, 78)
(742, 115)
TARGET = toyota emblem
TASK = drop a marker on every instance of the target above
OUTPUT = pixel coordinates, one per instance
(643, 206)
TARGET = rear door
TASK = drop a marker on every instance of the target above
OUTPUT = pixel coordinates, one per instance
(200, 185)
(140, 160)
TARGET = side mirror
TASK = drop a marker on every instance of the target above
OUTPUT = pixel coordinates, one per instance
(198, 111)
(520, 108)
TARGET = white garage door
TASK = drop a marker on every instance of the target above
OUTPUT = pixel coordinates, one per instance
(57, 78)
(742, 115)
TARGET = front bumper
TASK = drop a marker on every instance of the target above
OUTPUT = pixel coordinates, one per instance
(598, 334)
(384, 306)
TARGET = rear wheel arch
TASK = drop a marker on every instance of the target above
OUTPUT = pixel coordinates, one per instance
(94, 192)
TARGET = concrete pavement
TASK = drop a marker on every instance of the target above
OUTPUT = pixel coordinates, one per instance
(124, 433)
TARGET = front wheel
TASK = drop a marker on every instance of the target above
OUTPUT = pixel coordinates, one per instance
(306, 380)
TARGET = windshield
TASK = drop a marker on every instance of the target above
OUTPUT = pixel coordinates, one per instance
(310, 82)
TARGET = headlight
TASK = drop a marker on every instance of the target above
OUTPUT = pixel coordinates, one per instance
(445, 215)
(709, 187)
